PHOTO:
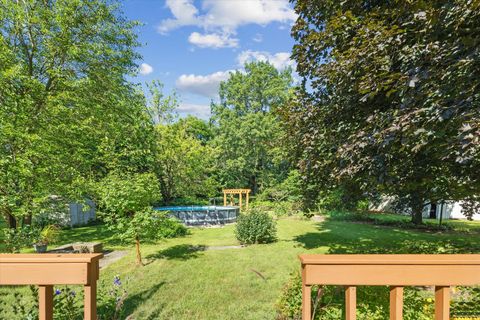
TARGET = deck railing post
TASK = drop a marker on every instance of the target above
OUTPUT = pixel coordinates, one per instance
(351, 303)
(45, 302)
(306, 298)
(396, 303)
(442, 303)
(50, 269)
(395, 270)
(90, 294)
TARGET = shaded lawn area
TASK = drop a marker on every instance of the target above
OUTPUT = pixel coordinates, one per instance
(405, 221)
(182, 280)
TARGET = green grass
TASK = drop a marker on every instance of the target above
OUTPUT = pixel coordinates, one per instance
(182, 281)
(404, 221)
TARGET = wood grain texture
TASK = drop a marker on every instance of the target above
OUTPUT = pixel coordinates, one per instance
(351, 303)
(396, 303)
(397, 271)
(442, 303)
(47, 270)
(45, 302)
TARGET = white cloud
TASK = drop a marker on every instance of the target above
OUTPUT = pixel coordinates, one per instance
(145, 69)
(212, 40)
(258, 38)
(202, 85)
(185, 14)
(226, 16)
(199, 110)
(279, 60)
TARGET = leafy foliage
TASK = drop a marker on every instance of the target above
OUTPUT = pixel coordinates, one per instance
(390, 102)
(471, 206)
(289, 189)
(247, 131)
(47, 235)
(126, 200)
(64, 98)
(256, 227)
(184, 164)
(15, 239)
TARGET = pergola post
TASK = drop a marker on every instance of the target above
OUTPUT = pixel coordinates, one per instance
(240, 192)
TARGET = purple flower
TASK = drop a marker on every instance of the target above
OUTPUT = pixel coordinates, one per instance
(116, 281)
(58, 292)
(73, 293)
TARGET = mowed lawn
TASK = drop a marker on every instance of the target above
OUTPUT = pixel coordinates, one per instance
(194, 277)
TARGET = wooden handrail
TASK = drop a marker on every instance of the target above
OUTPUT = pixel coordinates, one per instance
(396, 271)
(49, 269)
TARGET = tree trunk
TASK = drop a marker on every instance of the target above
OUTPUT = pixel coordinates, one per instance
(28, 220)
(10, 219)
(417, 204)
(139, 255)
(254, 184)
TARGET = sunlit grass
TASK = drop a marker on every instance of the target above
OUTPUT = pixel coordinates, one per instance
(182, 280)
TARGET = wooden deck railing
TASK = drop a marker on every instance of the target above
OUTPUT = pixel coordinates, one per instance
(396, 271)
(47, 270)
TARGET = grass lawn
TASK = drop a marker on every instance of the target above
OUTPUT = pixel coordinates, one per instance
(182, 281)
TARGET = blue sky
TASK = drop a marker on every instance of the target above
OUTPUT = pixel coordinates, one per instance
(191, 46)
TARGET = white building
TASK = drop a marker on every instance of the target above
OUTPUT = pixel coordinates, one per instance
(446, 210)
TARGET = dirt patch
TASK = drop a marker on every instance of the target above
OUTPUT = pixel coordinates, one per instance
(223, 247)
(318, 218)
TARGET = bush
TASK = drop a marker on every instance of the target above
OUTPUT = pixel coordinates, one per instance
(16, 239)
(256, 227)
(342, 198)
(169, 227)
(279, 208)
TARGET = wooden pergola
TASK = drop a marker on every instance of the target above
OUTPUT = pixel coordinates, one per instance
(240, 193)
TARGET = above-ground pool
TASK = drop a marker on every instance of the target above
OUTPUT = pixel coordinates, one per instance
(203, 215)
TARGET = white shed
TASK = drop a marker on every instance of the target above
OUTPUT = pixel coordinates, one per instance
(447, 210)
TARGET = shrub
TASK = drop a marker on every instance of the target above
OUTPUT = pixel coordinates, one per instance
(47, 235)
(279, 208)
(289, 190)
(256, 227)
(169, 227)
(342, 198)
(15, 239)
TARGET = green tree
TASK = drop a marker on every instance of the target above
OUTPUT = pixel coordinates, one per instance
(391, 98)
(161, 107)
(184, 165)
(247, 130)
(62, 94)
(126, 201)
(197, 128)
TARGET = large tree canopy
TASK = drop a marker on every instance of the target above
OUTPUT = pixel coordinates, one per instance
(391, 97)
(63, 97)
(247, 127)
